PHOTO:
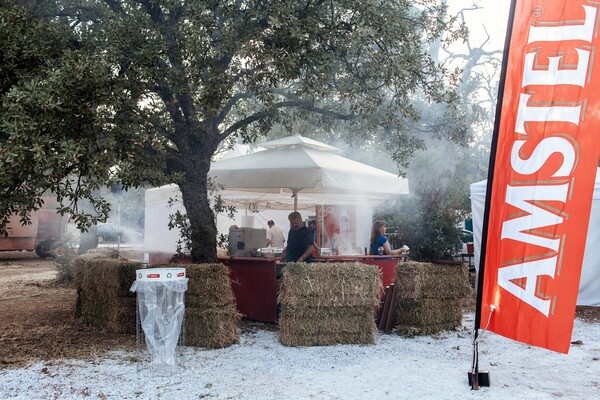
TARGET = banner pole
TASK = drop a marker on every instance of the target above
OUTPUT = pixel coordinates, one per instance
(474, 376)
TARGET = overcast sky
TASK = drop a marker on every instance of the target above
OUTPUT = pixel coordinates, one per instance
(493, 14)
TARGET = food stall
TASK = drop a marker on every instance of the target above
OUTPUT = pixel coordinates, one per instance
(293, 173)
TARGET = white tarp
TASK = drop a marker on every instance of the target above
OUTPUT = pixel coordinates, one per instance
(589, 286)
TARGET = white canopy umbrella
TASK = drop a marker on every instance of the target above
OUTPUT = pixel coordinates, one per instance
(297, 164)
(255, 201)
(291, 173)
(297, 140)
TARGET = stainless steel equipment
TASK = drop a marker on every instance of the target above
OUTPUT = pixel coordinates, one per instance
(246, 242)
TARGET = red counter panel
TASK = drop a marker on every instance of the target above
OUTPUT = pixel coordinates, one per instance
(255, 286)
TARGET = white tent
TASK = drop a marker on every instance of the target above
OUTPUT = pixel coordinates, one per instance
(261, 208)
(238, 150)
(589, 286)
(157, 210)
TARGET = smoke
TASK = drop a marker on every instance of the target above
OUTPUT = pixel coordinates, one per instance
(433, 170)
(127, 207)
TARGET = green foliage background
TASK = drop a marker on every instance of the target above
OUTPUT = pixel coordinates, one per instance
(144, 92)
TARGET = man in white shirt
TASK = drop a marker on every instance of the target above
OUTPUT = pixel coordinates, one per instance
(275, 236)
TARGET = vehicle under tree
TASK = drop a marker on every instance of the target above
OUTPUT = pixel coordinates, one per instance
(43, 234)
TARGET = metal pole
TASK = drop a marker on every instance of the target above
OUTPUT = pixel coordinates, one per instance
(484, 232)
(118, 226)
(295, 191)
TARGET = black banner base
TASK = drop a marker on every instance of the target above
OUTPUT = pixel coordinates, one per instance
(483, 378)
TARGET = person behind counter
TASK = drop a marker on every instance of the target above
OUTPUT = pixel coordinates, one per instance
(312, 225)
(378, 240)
(275, 236)
(300, 244)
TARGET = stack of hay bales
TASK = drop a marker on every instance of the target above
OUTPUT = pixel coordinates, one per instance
(328, 303)
(211, 319)
(429, 297)
(103, 296)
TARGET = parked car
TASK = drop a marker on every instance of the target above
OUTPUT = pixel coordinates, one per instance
(109, 232)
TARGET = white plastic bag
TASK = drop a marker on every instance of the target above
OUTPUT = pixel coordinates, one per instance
(161, 307)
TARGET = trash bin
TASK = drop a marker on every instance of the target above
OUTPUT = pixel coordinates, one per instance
(160, 310)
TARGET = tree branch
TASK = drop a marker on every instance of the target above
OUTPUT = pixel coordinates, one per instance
(115, 6)
(308, 106)
(231, 103)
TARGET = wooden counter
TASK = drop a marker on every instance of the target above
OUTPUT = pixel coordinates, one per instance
(255, 283)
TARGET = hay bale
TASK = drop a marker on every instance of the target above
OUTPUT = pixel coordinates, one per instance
(327, 339)
(220, 302)
(211, 319)
(103, 252)
(411, 331)
(428, 297)
(329, 284)
(328, 303)
(211, 328)
(103, 296)
(327, 320)
(429, 312)
(417, 280)
(104, 300)
(119, 316)
(77, 267)
(78, 264)
(209, 283)
(110, 278)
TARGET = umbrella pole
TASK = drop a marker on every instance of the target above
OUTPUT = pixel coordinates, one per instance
(295, 195)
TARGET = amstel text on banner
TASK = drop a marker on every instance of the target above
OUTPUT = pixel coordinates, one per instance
(547, 150)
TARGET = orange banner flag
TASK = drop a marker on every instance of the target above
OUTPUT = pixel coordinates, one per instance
(544, 159)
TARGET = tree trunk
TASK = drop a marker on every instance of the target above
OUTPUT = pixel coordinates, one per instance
(197, 206)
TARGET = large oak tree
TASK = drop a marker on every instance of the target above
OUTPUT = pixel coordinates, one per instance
(145, 91)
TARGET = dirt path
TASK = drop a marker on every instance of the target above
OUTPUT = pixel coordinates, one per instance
(37, 321)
